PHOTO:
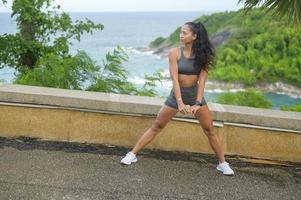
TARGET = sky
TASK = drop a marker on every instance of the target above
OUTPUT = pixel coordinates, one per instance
(141, 5)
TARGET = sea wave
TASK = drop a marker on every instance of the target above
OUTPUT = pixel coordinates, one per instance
(294, 96)
(140, 81)
(142, 52)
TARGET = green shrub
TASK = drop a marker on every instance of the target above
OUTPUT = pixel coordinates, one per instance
(251, 97)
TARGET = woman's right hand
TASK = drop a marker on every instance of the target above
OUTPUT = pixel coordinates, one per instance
(184, 109)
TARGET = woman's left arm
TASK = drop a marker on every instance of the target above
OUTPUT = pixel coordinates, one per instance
(201, 87)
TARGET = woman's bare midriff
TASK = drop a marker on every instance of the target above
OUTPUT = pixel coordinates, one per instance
(187, 80)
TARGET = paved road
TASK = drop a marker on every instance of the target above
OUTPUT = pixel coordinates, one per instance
(35, 170)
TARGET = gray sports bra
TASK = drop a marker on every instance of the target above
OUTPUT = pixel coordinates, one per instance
(186, 65)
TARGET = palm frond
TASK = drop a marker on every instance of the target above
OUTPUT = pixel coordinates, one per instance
(288, 8)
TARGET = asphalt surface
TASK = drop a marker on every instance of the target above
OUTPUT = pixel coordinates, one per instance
(37, 170)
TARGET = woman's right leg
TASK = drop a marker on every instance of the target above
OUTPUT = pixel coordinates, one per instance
(164, 116)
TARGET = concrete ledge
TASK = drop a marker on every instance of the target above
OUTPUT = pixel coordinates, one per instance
(79, 99)
(260, 117)
(143, 105)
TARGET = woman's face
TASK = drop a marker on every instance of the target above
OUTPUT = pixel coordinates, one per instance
(186, 35)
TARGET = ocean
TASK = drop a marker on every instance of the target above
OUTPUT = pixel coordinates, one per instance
(132, 30)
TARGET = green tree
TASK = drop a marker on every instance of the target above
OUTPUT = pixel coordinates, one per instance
(42, 30)
(39, 52)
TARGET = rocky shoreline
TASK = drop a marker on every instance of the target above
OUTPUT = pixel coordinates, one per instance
(278, 87)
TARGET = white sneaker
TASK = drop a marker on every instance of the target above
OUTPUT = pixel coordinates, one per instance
(129, 158)
(225, 168)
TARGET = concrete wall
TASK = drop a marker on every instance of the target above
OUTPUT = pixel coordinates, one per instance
(81, 116)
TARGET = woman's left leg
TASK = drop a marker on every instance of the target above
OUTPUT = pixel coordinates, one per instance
(204, 116)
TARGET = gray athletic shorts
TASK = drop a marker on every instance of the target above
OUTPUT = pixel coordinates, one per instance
(188, 94)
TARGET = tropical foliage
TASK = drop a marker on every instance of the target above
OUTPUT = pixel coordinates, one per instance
(261, 48)
(290, 9)
(294, 108)
(39, 51)
(250, 97)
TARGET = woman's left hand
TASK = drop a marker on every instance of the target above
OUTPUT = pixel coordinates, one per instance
(194, 108)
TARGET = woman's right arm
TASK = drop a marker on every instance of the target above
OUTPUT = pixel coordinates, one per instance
(173, 69)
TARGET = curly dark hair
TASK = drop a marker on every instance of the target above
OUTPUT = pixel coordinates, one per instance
(202, 48)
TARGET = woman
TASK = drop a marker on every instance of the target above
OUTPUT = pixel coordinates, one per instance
(188, 67)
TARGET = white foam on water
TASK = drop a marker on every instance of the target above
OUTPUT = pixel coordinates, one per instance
(134, 50)
(140, 81)
(223, 91)
(147, 53)
(295, 96)
(137, 80)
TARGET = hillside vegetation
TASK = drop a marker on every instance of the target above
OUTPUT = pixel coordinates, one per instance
(251, 49)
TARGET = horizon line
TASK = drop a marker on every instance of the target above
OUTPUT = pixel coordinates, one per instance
(136, 11)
